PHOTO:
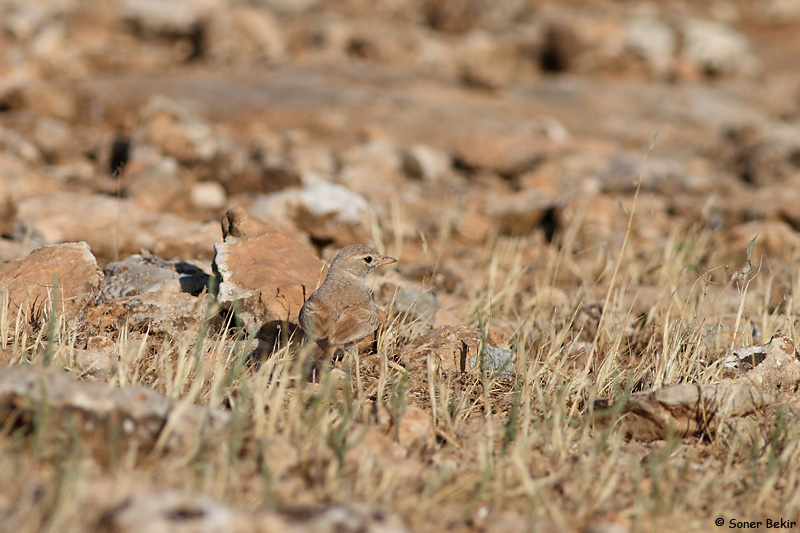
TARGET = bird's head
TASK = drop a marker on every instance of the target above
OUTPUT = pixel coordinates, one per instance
(359, 260)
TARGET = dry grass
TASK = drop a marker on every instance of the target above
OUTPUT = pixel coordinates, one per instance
(527, 451)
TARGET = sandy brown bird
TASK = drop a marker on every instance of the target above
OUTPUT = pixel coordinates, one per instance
(341, 312)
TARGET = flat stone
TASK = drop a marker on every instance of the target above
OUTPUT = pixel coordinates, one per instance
(104, 416)
(30, 282)
(449, 349)
(142, 274)
(686, 409)
(174, 511)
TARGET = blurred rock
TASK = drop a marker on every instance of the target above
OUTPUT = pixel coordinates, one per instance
(266, 278)
(177, 130)
(686, 409)
(154, 183)
(245, 34)
(412, 427)
(100, 359)
(765, 155)
(520, 213)
(53, 137)
(143, 274)
(714, 48)
(17, 146)
(484, 62)
(174, 17)
(331, 212)
(655, 41)
(416, 306)
(507, 155)
(288, 7)
(277, 166)
(209, 195)
(427, 163)
(104, 417)
(29, 282)
(370, 166)
(110, 226)
(180, 512)
(99, 364)
(10, 250)
(448, 349)
(776, 238)
(778, 11)
(770, 368)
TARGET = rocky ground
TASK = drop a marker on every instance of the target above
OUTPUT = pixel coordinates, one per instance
(591, 326)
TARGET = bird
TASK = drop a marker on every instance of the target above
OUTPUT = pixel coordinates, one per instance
(341, 311)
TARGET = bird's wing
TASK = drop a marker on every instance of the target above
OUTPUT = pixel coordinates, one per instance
(314, 319)
(353, 324)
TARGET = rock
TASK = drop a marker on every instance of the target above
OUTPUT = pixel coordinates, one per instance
(239, 224)
(100, 358)
(368, 167)
(770, 368)
(175, 17)
(417, 307)
(473, 227)
(411, 427)
(507, 155)
(102, 416)
(209, 195)
(96, 363)
(331, 212)
(16, 145)
(765, 155)
(427, 163)
(497, 362)
(153, 181)
(10, 250)
(415, 430)
(174, 511)
(778, 11)
(484, 62)
(53, 137)
(776, 239)
(111, 226)
(143, 274)
(245, 34)
(29, 282)
(268, 275)
(153, 295)
(277, 168)
(177, 130)
(172, 314)
(520, 213)
(686, 409)
(655, 41)
(168, 511)
(6, 357)
(289, 7)
(451, 349)
(714, 48)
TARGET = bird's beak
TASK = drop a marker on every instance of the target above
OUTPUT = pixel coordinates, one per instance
(385, 261)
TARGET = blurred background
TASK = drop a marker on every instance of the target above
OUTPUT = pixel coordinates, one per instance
(419, 124)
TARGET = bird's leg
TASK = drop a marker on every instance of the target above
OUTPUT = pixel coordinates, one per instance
(357, 364)
(352, 367)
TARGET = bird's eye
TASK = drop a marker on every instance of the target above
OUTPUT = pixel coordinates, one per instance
(368, 259)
